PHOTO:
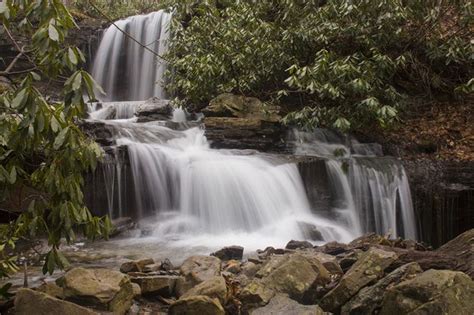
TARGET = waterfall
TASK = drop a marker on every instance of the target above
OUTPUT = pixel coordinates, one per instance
(372, 193)
(189, 192)
(127, 71)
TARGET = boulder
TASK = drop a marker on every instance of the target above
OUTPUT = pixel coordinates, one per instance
(51, 288)
(311, 232)
(368, 240)
(333, 248)
(348, 259)
(163, 285)
(136, 265)
(214, 288)
(366, 270)
(103, 289)
(121, 225)
(196, 305)
(197, 269)
(328, 261)
(154, 109)
(432, 292)
(152, 268)
(298, 244)
(369, 299)
(28, 302)
(296, 276)
(233, 266)
(282, 304)
(250, 269)
(137, 291)
(229, 253)
(255, 294)
(238, 106)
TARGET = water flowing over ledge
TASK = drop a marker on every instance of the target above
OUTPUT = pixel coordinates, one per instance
(125, 70)
(187, 194)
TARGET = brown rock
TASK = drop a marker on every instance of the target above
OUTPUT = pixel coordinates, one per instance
(29, 302)
(197, 305)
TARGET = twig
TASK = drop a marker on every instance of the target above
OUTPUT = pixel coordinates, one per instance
(125, 33)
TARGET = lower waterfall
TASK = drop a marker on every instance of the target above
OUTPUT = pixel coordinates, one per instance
(185, 192)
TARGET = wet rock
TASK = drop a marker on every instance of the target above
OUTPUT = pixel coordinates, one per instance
(197, 269)
(213, 288)
(281, 304)
(166, 265)
(156, 284)
(432, 292)
(51, 288)
(255, 294)
(333, 248)
(250, 269)
(298, 244)
(328, 261)
(366, 241)
(197, 305)
(366, 270)
(103, 289)
(233, 266)
(98, 131)
(270, 265)
(229, 253)
(154, 109)
(136, 265)
(137, 291)
(296, 276)
(152, 268)
(310, 231)
(348, 259)
(28, 302)
(369, 299)
(121, 225)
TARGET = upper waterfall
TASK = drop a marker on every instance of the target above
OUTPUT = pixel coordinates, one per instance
(127, 71)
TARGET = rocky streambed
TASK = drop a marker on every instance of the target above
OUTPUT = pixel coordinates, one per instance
(370, 275)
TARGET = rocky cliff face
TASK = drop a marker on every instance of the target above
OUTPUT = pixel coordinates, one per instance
(443, 198)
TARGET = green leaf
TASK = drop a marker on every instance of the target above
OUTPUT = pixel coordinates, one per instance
(58, 142)
(12, 178)
(72, 56)
(54, 124)
(76, 84)
(53, 33)
(20, 99)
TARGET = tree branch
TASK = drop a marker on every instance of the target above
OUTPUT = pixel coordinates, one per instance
(125, 33)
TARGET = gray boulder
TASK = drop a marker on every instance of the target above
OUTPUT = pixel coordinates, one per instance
(369, 299)
(369, 268)
(229, 253)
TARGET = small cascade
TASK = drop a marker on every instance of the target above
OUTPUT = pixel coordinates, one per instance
(371, 193)
(127, 71)
(185, 191)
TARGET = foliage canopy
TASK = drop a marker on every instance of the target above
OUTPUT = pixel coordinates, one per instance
(42, 151)
(346, 64)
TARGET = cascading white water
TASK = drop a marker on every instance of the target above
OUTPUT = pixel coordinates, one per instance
(127, 71)
(205, 196)
(372, 193)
